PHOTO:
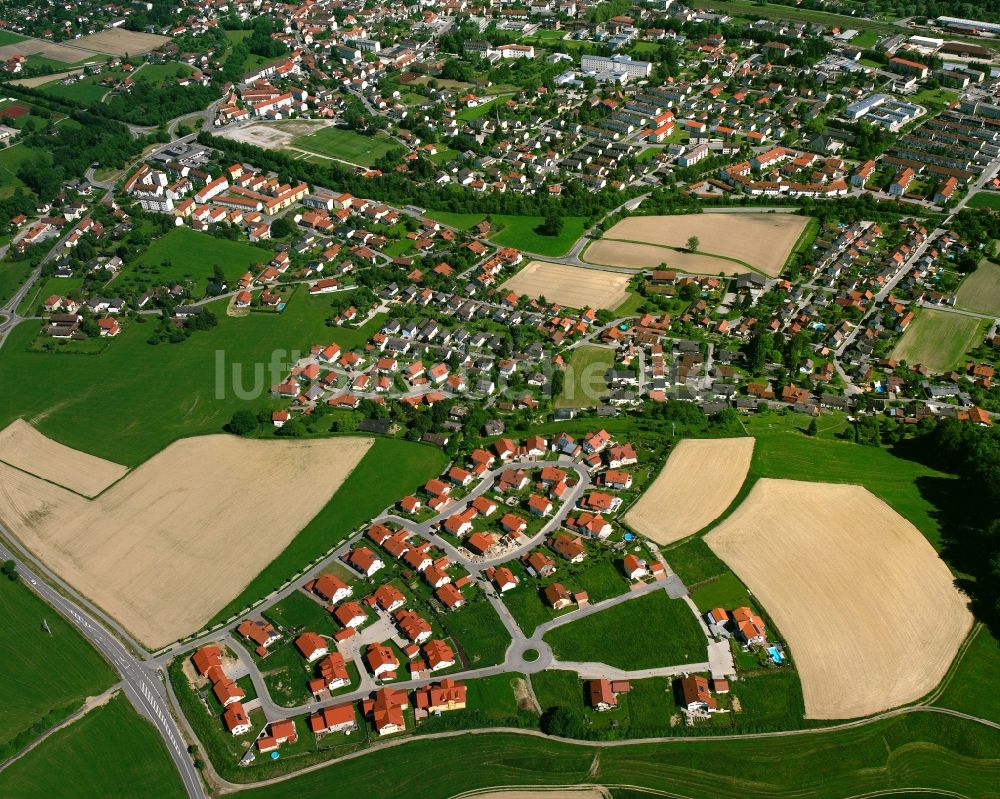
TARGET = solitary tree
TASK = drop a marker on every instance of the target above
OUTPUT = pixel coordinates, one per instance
(812, 429)
(693, 244)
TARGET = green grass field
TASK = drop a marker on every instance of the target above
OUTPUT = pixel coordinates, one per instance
(8, 37)
(132, 400)
(87, 90)
(192, 256)
(28, 692)
(937, 339)
(643, 633)
(971, 685)
(11, 160)
(346, 145)
(477, 629)
(519, 231)
(45, 288)
(111, 751)
(481, 110)
(985, 199)
(936, 752)
(389, 471)
(12, 277)
(980, 291)
(585, 382)
(726, 591)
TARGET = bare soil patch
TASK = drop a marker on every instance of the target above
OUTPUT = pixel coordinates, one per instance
(649, 256)
(168, 546)
(762, 240)
(271, 136)
(701, 478)
(573, 286)
(22, 446)
(863, 600)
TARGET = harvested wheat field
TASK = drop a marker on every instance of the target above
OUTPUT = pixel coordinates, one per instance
(573, 286)
(701, 478)
(764, 241)
(648, 256)
(118, 41)
(168, 546)
(22, 446)
(866, 605)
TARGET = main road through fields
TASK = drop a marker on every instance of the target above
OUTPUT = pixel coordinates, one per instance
(140, 685)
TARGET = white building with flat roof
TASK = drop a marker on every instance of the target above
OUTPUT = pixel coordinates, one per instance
(616, 63)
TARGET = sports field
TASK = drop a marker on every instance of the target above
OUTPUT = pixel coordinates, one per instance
(937, 339)
(650, 256)
(980, 291)
(572, 286)
(867, 607)
(701, 478)
(585, 381)
(25, 448)
(173, 542)
(760, 241)
(28, 696)
(346, 145)
(109, 752)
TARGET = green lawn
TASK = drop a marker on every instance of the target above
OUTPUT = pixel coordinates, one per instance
(132, 400)
(985, 199)
(111, 751)
(643, 633)
(971, 686)
(186, 255)
(478, 632)
(158, 74)
(631, 306)
(8, 37)
(940, 753)
(347, 145)
(585, 381)
(12, 277)
(485, 107)
(29, 693)
(557, 688)
(937, 339)
(11, 160)
(933, 99)
(980, 291)
(519, 231)
(389, 471)
(725, 591)
(300, 610)
(87, 90)
(44, 288)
